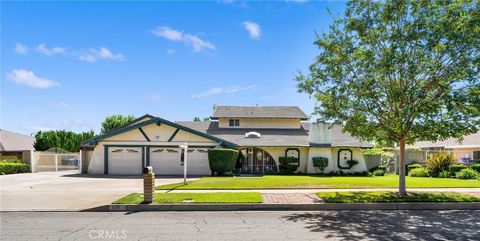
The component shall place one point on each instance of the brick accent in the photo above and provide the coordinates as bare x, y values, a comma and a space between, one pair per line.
291, 198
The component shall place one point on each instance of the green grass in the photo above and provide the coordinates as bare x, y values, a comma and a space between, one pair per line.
240, 197
309, 182
380, 197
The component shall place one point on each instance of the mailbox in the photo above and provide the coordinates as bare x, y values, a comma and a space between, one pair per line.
148, 170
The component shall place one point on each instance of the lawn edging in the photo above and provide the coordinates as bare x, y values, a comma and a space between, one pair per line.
294, 207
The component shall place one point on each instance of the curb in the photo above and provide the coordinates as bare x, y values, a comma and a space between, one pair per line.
291, 207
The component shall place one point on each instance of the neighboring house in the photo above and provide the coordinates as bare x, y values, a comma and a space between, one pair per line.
14, 145
466, 150
262, 134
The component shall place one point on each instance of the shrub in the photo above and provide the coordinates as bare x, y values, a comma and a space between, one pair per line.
466, 173
3, 158
444, 174
378, 168
11, 161
418, 172
439, 162
476, 167
413, 166
222, 160
456, 168
13, 168
378, 172
320, 163
352, 163
288, 165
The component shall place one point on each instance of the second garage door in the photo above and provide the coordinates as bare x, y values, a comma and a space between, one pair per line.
166, 161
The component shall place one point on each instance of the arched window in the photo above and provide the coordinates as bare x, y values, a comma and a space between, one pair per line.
257, 160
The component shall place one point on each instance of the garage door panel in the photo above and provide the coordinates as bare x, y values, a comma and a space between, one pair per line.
125, 160
166, 161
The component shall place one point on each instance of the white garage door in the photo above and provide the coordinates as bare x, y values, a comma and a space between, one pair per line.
125, 160
166, 161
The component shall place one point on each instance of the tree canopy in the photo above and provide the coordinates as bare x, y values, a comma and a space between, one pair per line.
400, 71
65, 140
115, 121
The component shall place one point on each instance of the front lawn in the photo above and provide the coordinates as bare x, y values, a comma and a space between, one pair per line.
309, 182
382, 197
241, 197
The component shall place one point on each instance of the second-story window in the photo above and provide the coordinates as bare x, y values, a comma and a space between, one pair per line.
234, 122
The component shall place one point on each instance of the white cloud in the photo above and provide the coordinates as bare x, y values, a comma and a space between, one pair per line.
155, 97
254, 30
226, 1
43, 49
193, 41
28, 78
21, 49
219, 90
61, 105
102, 53
170, 51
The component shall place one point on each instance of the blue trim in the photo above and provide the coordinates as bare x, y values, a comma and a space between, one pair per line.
144, 134
338, 158
105, 160
148, 155
320, 144
173, 135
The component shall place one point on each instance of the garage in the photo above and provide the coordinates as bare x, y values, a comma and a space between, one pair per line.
125, 160
166, 161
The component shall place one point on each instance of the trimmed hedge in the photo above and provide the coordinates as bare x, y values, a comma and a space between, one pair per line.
413, 166
456, 168
222, 160
476, 167
418, 172
13, 168
378, 172
320, 163
466, 173
288, 165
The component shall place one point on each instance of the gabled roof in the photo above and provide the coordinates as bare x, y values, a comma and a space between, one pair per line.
10, 141
470, 141
149, 119
290, 112
268, 137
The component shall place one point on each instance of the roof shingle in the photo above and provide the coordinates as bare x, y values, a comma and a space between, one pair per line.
292, 112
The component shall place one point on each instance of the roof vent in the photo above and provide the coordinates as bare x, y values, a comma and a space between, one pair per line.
252, 134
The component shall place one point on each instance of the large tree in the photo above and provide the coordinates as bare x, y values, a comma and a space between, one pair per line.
400, 71
66, 140
115, 121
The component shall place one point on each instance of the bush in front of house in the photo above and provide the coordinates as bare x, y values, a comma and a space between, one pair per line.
439, 162
378, 172
13, 167
222, 160
288, 165
456, 168
444, 174
320, 163
476, 167
419, 172
466, 173
352, 163
413, 166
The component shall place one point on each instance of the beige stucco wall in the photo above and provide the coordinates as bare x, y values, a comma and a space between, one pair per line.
463, 152
261, 123
332, 154
277, 152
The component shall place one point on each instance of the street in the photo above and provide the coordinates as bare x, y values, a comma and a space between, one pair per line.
285, 225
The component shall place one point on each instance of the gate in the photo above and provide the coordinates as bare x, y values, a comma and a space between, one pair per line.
53, 162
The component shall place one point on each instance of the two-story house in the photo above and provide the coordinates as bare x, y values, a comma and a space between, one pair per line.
261, 133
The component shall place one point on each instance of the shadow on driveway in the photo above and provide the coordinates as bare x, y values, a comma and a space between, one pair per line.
393, 225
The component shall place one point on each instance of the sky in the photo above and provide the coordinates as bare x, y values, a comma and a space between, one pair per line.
68, 65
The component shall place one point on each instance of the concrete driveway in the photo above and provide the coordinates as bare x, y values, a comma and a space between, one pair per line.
66, 191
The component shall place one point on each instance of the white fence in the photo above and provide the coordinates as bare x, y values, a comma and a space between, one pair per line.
54, 162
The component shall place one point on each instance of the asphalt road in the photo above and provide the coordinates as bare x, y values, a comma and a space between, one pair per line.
325, 225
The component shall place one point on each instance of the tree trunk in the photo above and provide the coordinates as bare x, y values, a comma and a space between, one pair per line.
401, 177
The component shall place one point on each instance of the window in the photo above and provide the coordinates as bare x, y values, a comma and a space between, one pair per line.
476, 155
234, 122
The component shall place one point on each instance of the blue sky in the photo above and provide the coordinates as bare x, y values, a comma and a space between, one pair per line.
69, 65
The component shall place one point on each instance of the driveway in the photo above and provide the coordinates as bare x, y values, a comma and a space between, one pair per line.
66, 191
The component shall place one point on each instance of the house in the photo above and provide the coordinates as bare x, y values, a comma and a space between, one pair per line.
15, 146
466, 150
261, 133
